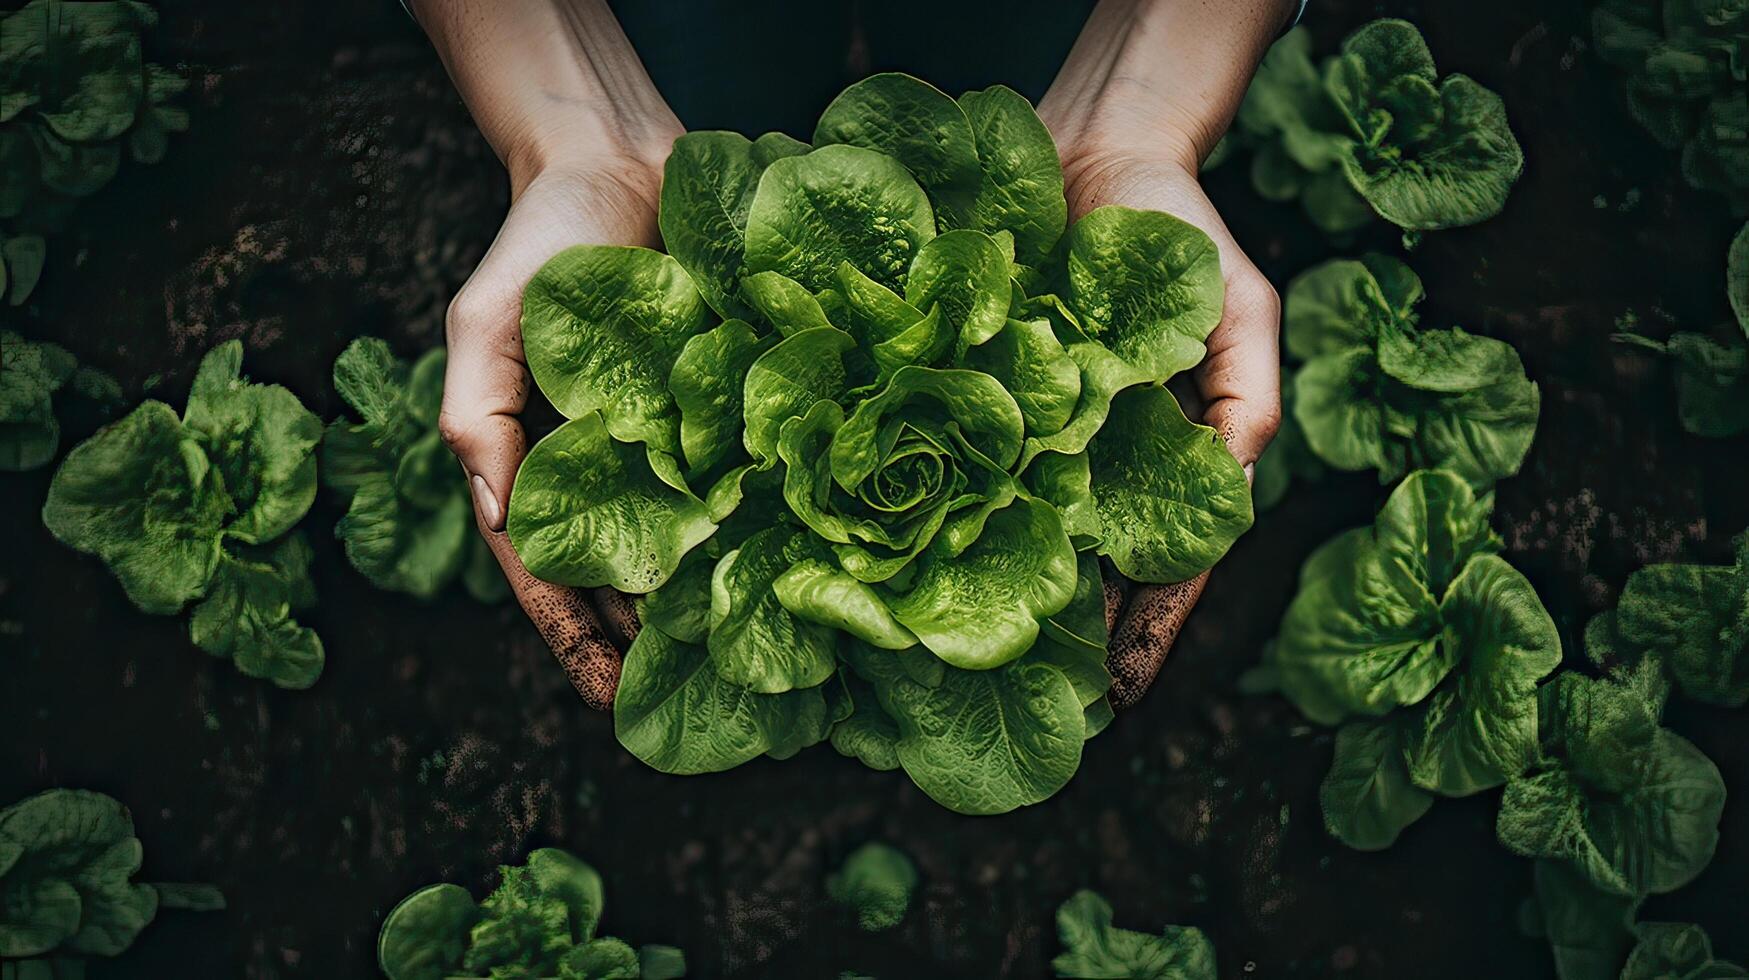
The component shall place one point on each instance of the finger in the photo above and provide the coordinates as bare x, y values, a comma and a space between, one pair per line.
619, 613
485, 386
566, 621
1240, 380
1151, 621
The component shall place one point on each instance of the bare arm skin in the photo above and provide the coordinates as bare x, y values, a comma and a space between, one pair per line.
559, 93
1145, 94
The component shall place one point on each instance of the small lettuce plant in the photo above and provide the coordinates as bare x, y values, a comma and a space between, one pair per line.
1376, 131
858, 438
75, 95
1094, 947
1375, 390
1685, 82
199, 508
876, 883
1426, 647
539, 923
32, 374
67, 858
409, 523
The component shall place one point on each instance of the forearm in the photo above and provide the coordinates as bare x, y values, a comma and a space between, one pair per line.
549, 81
1159, 77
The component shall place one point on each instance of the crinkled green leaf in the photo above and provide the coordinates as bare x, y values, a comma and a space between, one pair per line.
707, 387
142, 495
1022, 188
915, 123
755, 641
983, 608
1697, 618
246, 614
588, 510
1367, 795
981, 741
1094, 947
1171, 499
965, 272
707, 189
786, 380
837, 204
1632, 807
1146, 285
1030, 362
677, 714
601, 328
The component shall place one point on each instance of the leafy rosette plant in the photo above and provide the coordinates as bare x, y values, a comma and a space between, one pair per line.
1094, 947
1629, 807
1376, 130
199, 508
1685, 82
409, 524
876, 883
75, 92
1711, 370
1692, 621
1426, 647
926, 408
540, 922
31, 375
1377, 391
67, 858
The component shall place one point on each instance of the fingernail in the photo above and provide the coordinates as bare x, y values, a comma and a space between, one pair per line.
1250, 473
487, 504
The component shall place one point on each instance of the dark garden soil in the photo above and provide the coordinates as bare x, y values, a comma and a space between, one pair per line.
332, 185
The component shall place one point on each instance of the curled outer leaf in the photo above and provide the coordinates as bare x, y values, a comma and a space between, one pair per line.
587, 510
601, 328
1171, 499
1146, 285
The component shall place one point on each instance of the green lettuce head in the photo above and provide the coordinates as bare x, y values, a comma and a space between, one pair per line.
857, 438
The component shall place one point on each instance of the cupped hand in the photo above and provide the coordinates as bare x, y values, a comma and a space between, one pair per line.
592, 201
1238, 384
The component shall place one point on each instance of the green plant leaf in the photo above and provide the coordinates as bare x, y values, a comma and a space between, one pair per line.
587, 510
424, 936
915, 123
261, 438
601, 327
1022, 187
707, 387
837, 204
785, 381
1367, 796
246, 614
980, 741
1632, 807
755, 641
1097, 948
707, 189
1146, 285
1026, 357
1697, 617
965, 272
983, 608
678, 715
1171, 499
875, 882
142, 496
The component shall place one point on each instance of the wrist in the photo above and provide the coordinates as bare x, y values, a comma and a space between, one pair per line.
632, 151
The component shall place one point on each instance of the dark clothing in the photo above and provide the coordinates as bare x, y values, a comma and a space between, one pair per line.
758, 65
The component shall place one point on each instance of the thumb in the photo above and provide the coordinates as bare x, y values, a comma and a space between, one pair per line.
485, 387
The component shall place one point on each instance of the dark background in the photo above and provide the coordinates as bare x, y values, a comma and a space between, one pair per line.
332, 185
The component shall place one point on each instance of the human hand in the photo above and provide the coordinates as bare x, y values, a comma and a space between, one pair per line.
486, 386
1123, 142
556, 88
